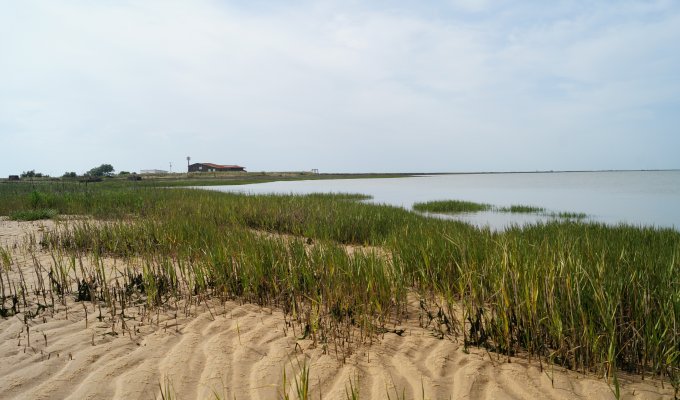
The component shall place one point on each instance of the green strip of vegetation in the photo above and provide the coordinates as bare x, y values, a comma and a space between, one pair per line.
460, 206
571, 215
585, 296
451, 206
521, 209
100, 178
33, 215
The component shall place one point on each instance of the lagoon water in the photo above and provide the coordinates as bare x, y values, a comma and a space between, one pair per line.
649, 198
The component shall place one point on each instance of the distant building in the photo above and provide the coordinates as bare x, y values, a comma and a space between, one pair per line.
209, 167
153, 171
14, 178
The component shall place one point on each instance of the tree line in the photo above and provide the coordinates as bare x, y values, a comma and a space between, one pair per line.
98, 172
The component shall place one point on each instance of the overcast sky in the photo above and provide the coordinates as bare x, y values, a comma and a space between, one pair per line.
356, 86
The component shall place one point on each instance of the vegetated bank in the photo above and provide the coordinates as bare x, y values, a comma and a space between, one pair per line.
586, 296
462, 206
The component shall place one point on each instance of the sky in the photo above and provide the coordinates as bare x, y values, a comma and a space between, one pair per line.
339, 85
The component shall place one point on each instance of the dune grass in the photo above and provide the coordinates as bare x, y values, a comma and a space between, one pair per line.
585, 296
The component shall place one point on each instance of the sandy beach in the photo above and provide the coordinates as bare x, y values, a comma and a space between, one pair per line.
230, 350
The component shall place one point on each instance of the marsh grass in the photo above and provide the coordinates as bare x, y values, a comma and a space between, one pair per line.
33, 215
451, 206
458, 207
300, 384
585, 296
570, 215
520, 209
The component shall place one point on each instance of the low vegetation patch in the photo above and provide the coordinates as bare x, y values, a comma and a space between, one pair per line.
451, 206
33, 215
460, 206
521, 209
571, 215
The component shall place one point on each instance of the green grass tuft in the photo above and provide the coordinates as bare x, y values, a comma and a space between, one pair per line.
33, 215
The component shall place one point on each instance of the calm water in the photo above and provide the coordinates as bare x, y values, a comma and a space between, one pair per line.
639, 198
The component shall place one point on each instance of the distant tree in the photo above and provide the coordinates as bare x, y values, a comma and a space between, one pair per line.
102, 170
69, 175
33, 174
124, 173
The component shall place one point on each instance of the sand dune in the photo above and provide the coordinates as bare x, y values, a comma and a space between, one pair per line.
240, 351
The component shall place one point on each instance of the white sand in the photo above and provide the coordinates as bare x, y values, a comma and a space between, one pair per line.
240, 351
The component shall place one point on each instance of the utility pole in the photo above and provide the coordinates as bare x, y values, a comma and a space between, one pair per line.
170, 166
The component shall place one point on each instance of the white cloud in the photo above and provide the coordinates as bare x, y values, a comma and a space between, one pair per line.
471, 5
